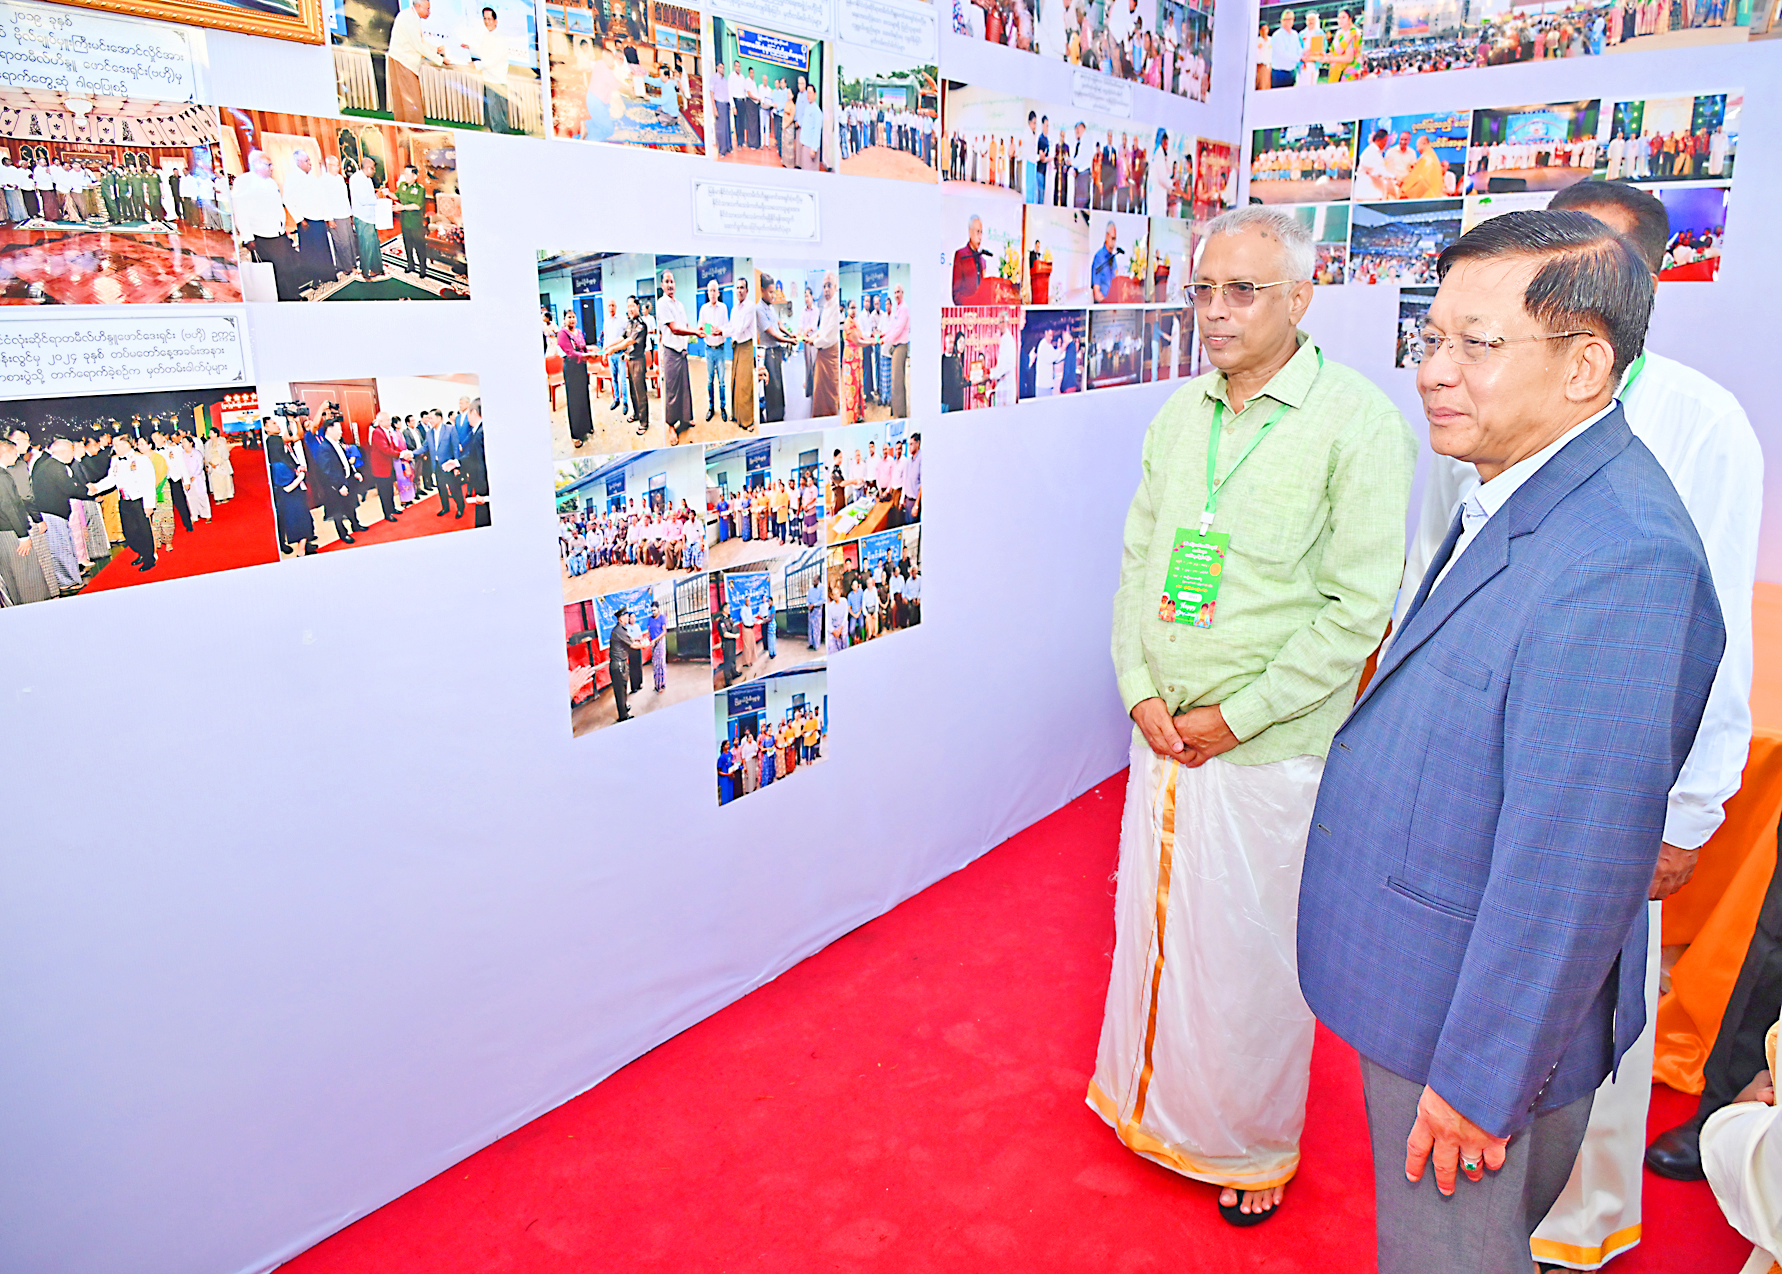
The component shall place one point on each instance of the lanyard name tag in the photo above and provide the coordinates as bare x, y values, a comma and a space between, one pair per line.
1191, 585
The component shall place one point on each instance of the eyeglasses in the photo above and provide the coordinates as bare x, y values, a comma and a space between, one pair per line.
1239, 296
1468, 350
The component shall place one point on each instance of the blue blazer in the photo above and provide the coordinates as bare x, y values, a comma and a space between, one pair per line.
1472, 913
445, 444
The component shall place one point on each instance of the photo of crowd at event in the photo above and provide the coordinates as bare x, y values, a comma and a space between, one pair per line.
114, 491
888, 122
1060, 156
1334, 40
628, 520
1698, 225
1303, 163
1166, 44
875, 588
348, 461
770, 729
762, 497
112, 205
1540, 147
768, 104
1399, 242
626, 72
333, 210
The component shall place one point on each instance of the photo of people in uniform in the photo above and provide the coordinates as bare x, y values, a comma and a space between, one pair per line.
344, 210
888, 116
872, 478
875, 587
875, 340
630, 519
448, 63
769, 616
114, 202
763, 496
771, 729
1302, 163
372, 461
980, 356
647, 350
1054, 352
634, 651
116, 490
771, 84
628, 72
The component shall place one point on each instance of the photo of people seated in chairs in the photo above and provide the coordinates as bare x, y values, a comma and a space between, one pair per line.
637, 650
630, 519
764, 616
344, 210
110, 201
770, 730
875, 587
763, 497
116, 490
873, 476
645, 350
626, 72
357, 462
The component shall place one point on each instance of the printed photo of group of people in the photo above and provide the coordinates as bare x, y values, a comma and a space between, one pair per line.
721, 565
113, 491
1049, 301
628, 72
1335, 41
1165, 44
156, 202
1385, 196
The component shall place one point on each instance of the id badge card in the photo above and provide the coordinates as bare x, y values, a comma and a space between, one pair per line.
1196, 569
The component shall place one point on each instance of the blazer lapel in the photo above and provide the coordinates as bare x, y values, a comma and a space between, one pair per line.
1489, 552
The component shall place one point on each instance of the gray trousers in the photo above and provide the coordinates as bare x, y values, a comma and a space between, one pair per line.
1485, 1226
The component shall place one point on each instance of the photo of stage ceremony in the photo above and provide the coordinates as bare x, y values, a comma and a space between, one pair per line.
449, 63
888, 118
1172, 259
764, 616
762, 497
344, 210
111, 201
644, 350
872, 476
1166, 44
770, 729
1169, 339
875, 587
627, 72
984, 236
1085, 258
1698, 225
980, 347
1118, 351
1302, 163
372, 461
768, 90
111, 491
1215, 178
628, 520
1054, 353
1673, 138
636, 650
1399, 242
1412, 156
875, 340
1544, 147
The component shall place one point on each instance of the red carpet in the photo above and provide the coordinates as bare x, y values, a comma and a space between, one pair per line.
240, 533
911, 1100
417, 521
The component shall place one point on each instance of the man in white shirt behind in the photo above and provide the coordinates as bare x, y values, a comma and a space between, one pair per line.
1701, 436
409, 47
259, 208
1374, 180
490, 48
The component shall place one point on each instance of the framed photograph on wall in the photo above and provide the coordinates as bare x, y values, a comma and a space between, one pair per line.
299, 20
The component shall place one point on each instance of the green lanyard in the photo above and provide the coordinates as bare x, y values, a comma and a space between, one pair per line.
1213, 488
1633, 373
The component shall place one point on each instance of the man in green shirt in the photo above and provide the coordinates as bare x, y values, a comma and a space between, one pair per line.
411, 213
1262, 553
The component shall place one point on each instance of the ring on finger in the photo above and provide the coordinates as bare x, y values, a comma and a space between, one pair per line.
1470, 1165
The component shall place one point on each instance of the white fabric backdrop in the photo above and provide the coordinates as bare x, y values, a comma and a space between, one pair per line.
309, 893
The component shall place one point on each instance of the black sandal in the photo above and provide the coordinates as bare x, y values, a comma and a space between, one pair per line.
1235, 1214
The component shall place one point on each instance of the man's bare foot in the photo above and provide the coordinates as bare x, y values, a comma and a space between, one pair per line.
1254, 1200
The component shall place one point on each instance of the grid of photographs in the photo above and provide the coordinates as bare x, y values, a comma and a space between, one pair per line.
1165, 44
768, 522
1384, 196
1334, 41
133, 489
1049, 301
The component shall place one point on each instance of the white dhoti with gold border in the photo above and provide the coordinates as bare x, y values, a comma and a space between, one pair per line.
1598, 1216
1206, 1043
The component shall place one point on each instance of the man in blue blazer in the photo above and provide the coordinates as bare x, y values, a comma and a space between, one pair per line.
1472, 909
448, 463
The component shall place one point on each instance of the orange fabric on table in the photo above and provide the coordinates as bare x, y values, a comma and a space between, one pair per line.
1716, 912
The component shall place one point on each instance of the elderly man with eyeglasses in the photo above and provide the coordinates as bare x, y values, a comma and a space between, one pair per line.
1269, 520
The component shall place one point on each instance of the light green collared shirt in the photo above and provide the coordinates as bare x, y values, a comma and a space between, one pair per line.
1316, 516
